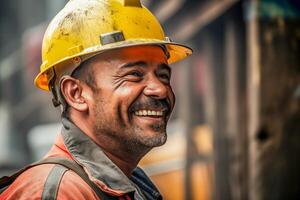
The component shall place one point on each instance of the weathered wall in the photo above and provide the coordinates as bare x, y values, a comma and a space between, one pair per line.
278, 136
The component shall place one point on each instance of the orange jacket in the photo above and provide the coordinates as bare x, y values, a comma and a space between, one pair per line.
75, 145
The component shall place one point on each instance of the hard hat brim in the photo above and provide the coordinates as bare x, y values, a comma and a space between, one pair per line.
176, 52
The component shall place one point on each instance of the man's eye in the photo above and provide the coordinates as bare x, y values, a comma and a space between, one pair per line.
134, 76
165, 78
136, 73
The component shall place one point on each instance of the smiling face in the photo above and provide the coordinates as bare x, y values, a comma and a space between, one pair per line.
132, 98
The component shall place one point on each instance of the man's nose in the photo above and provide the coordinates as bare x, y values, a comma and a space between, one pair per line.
155, 88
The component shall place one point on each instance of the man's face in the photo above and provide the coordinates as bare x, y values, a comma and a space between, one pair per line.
133, 98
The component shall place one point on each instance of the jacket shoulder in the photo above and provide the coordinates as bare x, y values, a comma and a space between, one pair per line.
73, 187
29, 184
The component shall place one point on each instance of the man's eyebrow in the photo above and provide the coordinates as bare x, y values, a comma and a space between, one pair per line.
134, 64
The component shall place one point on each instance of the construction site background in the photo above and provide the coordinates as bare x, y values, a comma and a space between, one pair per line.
235, 131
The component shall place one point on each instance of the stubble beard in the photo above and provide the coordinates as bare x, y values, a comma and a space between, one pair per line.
132, 139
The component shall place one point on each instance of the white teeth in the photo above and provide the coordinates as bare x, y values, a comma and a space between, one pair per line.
148, 113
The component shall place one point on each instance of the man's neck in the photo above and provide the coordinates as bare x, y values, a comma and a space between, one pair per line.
125, 158
126, 166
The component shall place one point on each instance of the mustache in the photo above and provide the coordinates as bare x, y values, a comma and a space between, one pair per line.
150, 103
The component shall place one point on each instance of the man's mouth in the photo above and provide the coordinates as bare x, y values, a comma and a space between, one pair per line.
149, 113
151, 109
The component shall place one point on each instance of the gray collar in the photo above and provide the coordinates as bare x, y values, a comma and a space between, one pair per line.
92, 158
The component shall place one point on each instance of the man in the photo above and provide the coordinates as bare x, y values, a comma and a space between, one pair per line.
106, 63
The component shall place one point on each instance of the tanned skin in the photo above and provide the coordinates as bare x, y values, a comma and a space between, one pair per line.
127, 82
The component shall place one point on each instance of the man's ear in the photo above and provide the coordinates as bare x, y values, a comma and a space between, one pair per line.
72, 91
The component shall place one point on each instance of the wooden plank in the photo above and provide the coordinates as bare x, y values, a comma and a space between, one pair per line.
193, 23
277, 136
253, 85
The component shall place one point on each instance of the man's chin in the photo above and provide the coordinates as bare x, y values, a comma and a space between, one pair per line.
155, 141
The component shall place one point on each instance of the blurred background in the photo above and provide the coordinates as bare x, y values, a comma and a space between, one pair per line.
235, 131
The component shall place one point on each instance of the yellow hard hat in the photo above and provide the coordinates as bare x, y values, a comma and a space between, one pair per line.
85, 28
